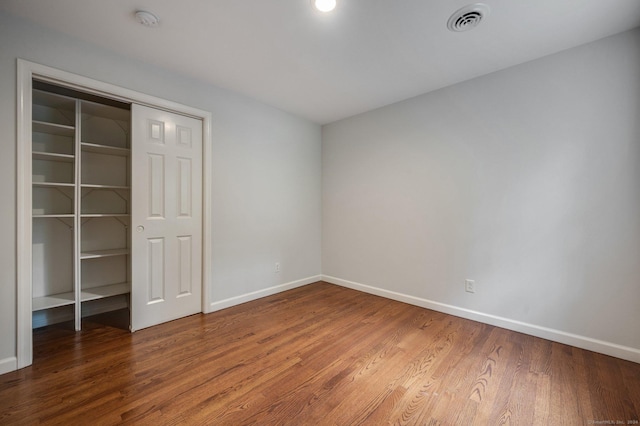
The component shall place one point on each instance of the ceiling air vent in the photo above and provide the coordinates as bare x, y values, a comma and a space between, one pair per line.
468, 17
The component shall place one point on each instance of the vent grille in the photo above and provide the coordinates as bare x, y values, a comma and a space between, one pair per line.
468, 17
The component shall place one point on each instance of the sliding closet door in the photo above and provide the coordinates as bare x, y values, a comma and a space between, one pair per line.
166, 219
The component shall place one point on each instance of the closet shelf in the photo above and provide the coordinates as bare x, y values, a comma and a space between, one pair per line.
53, 184
52, 301
53, 128
54, 100
69, 215
105, 149
92, 185
51, 156
65, 299
104, 215
95, 254
101, 292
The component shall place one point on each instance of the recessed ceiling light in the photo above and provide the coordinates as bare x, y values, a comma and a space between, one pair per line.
147, 19
324, 5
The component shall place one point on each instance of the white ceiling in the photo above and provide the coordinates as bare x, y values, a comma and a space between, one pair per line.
363, 55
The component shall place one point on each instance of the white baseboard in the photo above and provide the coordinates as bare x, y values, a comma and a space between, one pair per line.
248, 297
8, 364
607, 348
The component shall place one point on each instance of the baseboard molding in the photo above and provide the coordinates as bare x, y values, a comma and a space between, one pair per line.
248, 297
583, 342
8, 364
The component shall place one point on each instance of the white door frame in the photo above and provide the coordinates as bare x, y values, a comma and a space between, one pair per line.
26, 72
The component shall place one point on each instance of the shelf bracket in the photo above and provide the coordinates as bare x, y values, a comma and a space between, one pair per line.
89, 191
124, 223
66, 114
64, 222
125, 129
70, 197
119, 194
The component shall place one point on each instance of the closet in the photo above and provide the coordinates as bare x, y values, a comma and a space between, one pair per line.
81, 205
116, 210
113, 202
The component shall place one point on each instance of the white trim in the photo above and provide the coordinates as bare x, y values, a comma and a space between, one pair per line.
248, 297
207, 212
26, 72
107, 90
595, 345
24, 349
8, 365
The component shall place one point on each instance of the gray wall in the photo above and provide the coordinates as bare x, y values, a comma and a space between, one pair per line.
266, 169
526, 180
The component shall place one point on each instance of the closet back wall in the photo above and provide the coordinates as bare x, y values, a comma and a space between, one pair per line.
266, 171
526, 180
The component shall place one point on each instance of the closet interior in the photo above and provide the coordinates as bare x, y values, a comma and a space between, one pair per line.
81, 205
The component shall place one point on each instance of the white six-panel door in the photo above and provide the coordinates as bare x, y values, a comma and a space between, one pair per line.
166, 242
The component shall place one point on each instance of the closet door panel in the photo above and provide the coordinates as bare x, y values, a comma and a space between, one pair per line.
185, 188
156, 186
155, 282
166, 216
185, 259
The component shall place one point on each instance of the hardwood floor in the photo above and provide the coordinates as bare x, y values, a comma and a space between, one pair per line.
316, 355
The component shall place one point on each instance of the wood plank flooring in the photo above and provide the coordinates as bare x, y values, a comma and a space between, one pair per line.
316, 355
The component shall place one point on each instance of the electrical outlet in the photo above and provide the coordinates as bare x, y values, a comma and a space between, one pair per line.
470, 286
277, 268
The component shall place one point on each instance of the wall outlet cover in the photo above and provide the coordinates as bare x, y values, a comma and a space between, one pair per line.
470, 286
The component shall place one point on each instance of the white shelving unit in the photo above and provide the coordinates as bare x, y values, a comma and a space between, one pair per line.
105, 207
81, 207
54, 206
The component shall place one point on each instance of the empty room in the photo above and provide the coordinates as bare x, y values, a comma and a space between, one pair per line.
320, 212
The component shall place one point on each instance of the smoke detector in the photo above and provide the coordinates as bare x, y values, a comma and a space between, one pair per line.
468, 17
147, 19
